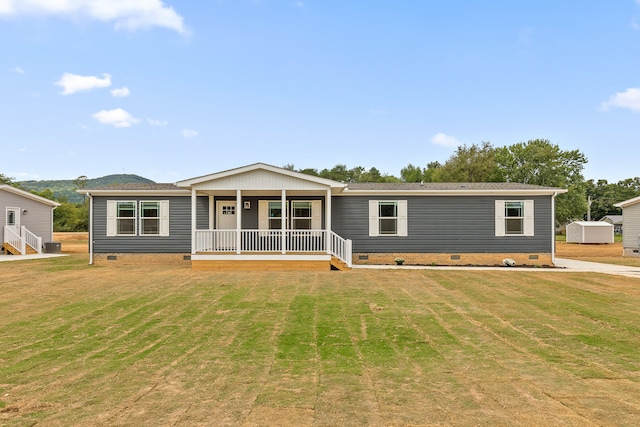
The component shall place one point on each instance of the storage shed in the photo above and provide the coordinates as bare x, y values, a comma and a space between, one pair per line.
590, 232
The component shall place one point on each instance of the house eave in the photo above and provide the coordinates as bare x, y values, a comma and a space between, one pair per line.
628, 203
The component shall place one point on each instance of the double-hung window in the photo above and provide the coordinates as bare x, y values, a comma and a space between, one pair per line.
274, 215
514, 218
149, 217
301, 215
388, 218
137, 218
125, 218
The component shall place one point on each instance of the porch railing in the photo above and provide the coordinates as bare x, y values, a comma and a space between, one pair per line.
296, 241
32, 240
21, 240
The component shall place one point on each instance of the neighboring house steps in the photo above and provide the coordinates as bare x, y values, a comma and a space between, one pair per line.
21, 241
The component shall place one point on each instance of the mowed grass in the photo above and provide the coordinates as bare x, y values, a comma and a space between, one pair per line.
159, 345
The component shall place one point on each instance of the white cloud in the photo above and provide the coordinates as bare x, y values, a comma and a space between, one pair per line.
444, 140
17, 69
118, 118
188, 133
126, 14
122, 92
154, 122
628, 99
72, 83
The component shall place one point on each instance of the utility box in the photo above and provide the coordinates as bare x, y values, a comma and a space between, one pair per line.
52, 247
590, 232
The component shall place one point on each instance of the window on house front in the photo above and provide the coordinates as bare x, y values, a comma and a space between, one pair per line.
126, 218
132, 218
301, 215
274, 215
149, 217
514, 218
388, 218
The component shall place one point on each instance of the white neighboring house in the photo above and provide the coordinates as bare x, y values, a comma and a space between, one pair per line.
26, 221
631, 226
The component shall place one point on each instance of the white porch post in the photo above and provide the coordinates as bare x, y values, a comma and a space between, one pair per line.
238, 220
211, 212
194, 218
327, 219
283, 225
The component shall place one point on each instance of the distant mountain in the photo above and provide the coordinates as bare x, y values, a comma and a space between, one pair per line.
67, 187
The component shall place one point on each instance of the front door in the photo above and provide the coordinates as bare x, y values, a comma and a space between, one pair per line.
225, 225
13, 219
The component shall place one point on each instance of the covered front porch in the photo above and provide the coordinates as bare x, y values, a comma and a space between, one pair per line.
264, 218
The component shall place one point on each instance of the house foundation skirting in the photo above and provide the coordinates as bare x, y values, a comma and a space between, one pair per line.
631, 252
261, 262
479, 259
142, 259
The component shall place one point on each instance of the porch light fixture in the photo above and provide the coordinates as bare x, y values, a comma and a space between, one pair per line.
247, 204
24, 211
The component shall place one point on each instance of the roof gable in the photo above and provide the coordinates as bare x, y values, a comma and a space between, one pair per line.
28, 195
259, 176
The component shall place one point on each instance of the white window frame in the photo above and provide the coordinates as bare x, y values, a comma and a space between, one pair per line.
112, 218
402, 228
527, 218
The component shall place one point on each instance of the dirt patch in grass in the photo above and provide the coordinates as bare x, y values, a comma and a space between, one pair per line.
155, 345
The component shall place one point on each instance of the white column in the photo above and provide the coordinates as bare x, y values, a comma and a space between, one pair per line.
194, 217
283, 227
211, 212
238, 220
327, 219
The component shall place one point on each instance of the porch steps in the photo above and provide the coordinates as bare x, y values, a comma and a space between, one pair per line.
338, 264
8, 248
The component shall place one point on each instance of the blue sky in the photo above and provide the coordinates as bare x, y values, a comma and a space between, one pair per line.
175, 89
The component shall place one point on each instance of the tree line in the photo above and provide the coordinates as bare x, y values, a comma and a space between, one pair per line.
537, 161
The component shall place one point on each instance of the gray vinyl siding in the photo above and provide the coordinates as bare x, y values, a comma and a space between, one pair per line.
631, 226
178, 241
38, 219
442, 224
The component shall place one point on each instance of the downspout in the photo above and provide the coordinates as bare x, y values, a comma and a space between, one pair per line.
90, 228
553, 227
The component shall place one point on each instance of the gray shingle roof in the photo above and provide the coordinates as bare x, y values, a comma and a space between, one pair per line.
443, 186
136, 186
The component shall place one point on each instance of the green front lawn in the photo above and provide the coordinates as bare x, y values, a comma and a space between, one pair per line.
159, 345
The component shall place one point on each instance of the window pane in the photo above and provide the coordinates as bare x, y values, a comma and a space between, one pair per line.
150, 209
514, 209
514, 226
126, 226
302, 209
388, 226
150, 226
301, 224
126, 209
388, 209
275, 223
275, 209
